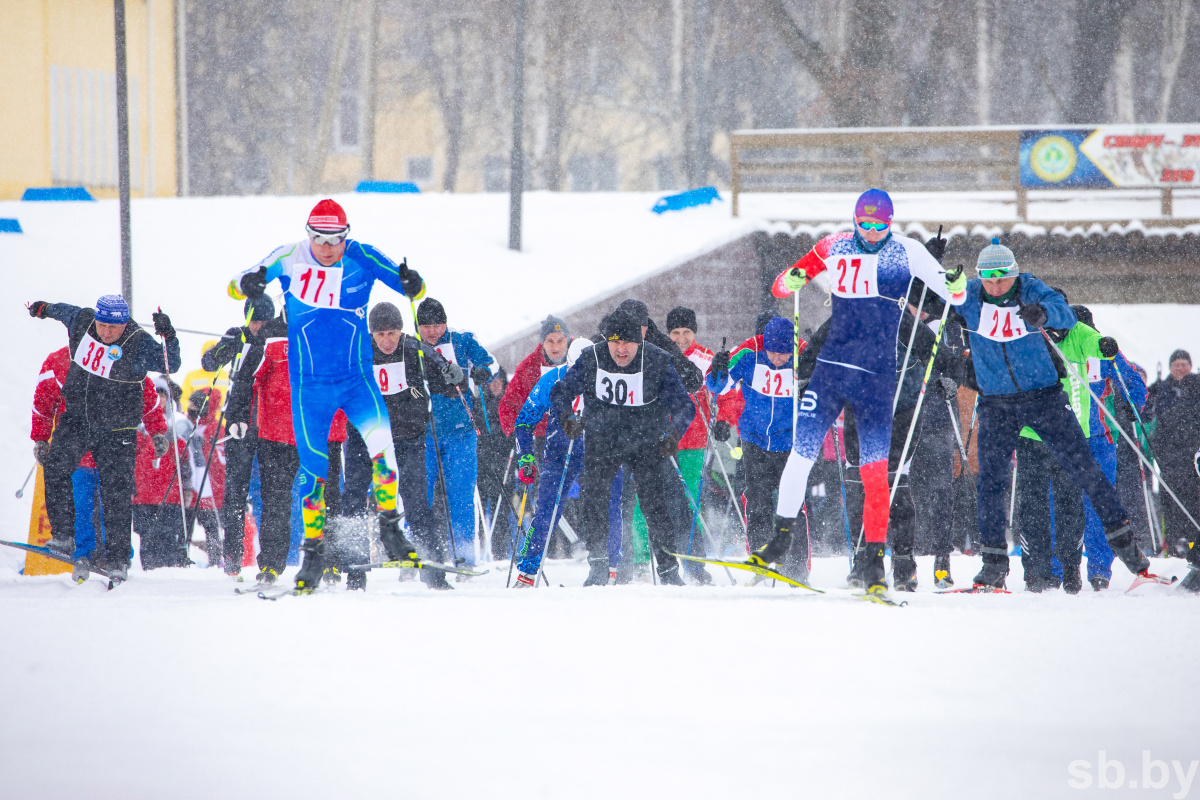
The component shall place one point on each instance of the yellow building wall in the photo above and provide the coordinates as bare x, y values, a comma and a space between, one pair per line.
79, 35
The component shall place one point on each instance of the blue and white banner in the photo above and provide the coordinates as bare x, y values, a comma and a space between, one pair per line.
1111, 156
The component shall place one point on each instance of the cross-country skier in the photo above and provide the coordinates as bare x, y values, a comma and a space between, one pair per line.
635, 410
1018, 377
453, 426
110, 356
551, 352
562, 463
327, 281
398, 366
870, 271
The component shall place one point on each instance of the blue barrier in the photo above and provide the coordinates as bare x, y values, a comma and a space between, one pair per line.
388, 187
688, 199
10, 226
47, 193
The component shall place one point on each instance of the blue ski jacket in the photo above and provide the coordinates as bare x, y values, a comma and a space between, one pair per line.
766, 420
460, 347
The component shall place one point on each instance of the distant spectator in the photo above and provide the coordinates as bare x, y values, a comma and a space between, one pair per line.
1174, 405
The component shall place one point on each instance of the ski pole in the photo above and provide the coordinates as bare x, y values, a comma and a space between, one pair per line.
912, 336
174, 439
965, 472
696, 516
1012, 505
557, 500
837, 448
1156, 542
500, 496
212, 454
520, 521
1128, 439
21, 491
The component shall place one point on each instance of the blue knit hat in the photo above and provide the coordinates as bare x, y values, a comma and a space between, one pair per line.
779, 336
998, 260
112, 309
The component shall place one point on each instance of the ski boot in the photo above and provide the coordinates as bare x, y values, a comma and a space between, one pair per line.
941, 572
904, 572
266, 577
697, 573
995, 569
1191, 581
597, 571
1041, 583
395, 543
64, 544
356, 579
332, 575
668, 570
1122, 544
1099, 583
525, 581
312, 568
855, 579
874, 574
774, 550
435, 579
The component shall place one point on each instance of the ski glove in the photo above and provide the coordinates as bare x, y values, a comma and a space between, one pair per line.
949, 387
237, 430
1033, 315
254, 284
160, 444
956, 281
452, 374
936, 247
41, 449
668, 445
480, 375
162, 325
37, 309
410, 281
720, 364
794, 279
526, 469
721, 430
572, 425
1108, 347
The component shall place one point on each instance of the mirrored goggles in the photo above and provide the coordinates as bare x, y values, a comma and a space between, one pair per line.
874, 226
327, 238
993, 274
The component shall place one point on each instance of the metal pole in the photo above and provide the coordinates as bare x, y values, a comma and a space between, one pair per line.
123, 151
181, 115
516, 170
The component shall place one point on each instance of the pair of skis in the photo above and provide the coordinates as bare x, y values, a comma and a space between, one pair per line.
767, 572
82, 567
267, 594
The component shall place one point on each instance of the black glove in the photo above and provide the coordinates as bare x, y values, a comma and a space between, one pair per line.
721, 430
1108, 347
668, 445
162, 325
161, 444
40, 449
572, 425
720, 364
452, 374
1033, 315
410, 281
936, 247
254, 284
38, 308
480, 375
949, 386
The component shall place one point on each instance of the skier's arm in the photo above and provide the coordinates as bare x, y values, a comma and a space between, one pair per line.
152, 411
534, 409
148, 354
1058, 313
241, 385
678, 402
1133, 380
406, 281
478, 357
224, 351
808, 267
63, 312
810, 352
514, 397
444, 377
269, 268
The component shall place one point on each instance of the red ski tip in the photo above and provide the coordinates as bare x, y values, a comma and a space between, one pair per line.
1146, 576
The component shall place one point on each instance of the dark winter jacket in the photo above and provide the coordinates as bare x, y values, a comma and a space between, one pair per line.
240, 407
105, 381
398, 376
1175, 408
625, 408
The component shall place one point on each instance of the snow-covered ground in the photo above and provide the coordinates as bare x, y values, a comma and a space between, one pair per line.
172, 686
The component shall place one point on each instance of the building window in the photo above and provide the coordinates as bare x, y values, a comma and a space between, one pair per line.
419, 170
592, 173
347, 126
495, 174
83, 127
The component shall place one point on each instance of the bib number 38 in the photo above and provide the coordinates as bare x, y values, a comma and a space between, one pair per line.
90, 354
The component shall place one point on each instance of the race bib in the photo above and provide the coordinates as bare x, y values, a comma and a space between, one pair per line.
1001, 324
1093, 369
772, 382
318, 286
577, 404
854, 275
392, 378
619, 390
701, 359
95, 357
447, 351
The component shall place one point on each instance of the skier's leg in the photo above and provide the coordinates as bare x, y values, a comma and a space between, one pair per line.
597, 489
115, 453
820, 406
1033, 500
278, 463
902, 515
616, 492
460, 461
529, 556
83, 484
1068, 527
763, 472
66, 448
999, 426
647, 467
1099, 554
239, 461
870, 400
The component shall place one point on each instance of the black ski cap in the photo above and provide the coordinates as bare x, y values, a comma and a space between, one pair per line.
637, 310
622, 326
431, 312
1180, 355
264, 309
385, 317
681, 317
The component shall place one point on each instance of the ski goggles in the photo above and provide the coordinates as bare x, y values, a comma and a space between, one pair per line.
874, 226
327, 238
993, 274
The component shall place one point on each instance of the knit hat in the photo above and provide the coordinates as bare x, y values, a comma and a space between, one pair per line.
680, 317
112, 309
779, 336
997, 261
431, 312
623, 326
1180, 355
264, 309
637, 310
874, 203
328, 217
384, 317
576, 349
552, 324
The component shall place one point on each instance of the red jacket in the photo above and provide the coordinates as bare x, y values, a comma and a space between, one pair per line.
48, 402
213, 496
153, 475
529, 371
729, 406
273, 398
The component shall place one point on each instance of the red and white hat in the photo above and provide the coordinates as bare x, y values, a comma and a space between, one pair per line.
327, 217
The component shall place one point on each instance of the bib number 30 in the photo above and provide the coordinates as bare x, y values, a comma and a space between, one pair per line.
619, 389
